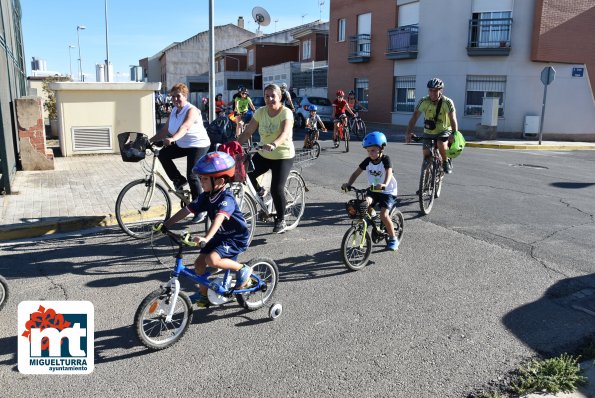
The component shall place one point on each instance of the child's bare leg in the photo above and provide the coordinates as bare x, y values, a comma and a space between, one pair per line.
388, 223
200, 266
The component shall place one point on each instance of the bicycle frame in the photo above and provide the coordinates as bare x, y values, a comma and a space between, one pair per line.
155, 171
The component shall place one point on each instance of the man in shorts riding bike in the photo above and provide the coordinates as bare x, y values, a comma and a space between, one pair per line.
440, 120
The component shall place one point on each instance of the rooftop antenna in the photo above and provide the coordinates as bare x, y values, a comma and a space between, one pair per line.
276, 20
303, 18
261, 17
321, 4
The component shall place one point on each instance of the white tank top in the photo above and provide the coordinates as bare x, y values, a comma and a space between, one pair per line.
196, 137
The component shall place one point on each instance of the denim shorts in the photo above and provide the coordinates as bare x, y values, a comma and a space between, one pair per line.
385, 200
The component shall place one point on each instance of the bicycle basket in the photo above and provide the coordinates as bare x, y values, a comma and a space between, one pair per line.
133, 146
356, 208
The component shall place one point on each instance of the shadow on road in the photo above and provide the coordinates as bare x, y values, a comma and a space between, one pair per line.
559, 321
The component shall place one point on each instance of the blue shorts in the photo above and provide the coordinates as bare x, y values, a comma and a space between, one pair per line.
226, 247
385, 200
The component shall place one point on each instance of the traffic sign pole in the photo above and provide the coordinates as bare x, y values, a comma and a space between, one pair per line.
547, 76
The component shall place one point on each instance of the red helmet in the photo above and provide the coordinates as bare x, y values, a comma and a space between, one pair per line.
340, 93
215, 164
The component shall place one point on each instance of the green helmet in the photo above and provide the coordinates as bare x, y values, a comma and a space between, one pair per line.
457, 145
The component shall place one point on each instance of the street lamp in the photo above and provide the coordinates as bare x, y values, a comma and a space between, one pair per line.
78, 38
70, 47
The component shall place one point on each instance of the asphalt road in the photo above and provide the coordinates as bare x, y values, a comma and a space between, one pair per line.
485, 281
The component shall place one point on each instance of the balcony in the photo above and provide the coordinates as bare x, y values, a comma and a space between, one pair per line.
489, 37
360, 47
402, 42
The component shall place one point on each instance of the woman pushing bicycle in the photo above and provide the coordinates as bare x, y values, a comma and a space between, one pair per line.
383, 185
228, 234
275, 125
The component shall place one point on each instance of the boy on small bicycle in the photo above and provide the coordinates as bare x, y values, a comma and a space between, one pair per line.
379, 170
228, 234
312, 123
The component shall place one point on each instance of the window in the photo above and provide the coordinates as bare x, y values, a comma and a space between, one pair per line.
361, 92
404, 94
341, 30
490, 29
306, 49
479, 86
251, 57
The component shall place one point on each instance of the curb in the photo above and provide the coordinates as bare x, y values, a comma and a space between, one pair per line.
534, 147
37, 229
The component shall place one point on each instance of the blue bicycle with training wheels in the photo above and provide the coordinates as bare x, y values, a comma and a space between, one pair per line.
164, 315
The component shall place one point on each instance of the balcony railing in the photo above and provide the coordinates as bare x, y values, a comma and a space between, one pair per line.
360, 47
402, 42
489, 36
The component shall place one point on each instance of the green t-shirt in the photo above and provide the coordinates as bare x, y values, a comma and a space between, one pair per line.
270, 128
242, 104
428, 110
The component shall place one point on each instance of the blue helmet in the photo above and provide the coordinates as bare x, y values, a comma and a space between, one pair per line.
215, 164
374, 138
313, 108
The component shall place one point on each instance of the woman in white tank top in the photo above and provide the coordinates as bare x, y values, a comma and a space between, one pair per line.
183, 135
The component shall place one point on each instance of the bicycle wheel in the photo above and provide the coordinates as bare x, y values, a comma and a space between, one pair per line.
346, 138
248, 209
3, 291
268, 272
359, 128
398, 223
426, 187
356, 247
439, 181
295, 199
139, 206
315, 150
152, 329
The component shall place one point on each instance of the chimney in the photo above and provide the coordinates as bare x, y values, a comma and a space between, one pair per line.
241, 22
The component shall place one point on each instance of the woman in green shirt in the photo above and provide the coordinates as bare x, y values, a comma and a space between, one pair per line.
275, 126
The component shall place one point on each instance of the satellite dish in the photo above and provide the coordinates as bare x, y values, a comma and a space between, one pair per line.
261, 17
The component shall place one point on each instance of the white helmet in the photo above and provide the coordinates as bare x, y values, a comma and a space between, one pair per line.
283, 86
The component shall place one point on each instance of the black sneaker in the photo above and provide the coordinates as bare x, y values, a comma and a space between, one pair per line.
447, 167
179, 185
200, 217
280, 226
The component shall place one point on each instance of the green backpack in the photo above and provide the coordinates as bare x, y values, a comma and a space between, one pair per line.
457, 145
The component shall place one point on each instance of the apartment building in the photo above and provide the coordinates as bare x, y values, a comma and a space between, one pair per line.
387, 51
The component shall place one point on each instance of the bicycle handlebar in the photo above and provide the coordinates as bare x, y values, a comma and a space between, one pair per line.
362, 190
180, 239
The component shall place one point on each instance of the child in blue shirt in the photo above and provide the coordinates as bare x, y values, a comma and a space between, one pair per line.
228, 235
379, 170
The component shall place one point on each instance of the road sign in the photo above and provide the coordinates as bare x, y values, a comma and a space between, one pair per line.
547, 75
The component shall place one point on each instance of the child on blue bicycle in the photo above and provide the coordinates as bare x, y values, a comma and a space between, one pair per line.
228, 234
313, 123
379, 170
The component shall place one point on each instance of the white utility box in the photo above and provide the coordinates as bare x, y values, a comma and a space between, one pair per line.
489, 111
531, 126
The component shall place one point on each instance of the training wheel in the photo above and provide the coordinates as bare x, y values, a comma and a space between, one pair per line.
275, 311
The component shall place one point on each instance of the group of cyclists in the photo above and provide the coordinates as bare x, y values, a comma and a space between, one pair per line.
226, 237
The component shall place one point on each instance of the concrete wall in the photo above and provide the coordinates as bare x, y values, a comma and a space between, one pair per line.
31, 132
120, 107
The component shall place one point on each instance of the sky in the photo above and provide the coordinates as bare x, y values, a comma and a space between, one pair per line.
138, 28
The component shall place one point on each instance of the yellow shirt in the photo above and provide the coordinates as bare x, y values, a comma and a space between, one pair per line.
428, 110
269, 129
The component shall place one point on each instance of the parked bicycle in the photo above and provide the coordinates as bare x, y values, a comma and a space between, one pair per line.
164, 315
343, 132
357, 126
3, 291
431, 177
145, 201
295, 195
311, 142
366, 228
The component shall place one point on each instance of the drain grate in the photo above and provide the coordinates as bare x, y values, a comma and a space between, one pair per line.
531, 166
